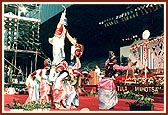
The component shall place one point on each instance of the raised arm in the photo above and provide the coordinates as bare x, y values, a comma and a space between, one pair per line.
71, 39
62, 19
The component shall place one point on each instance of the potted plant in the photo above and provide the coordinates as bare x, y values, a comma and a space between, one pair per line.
141, 104
15, 105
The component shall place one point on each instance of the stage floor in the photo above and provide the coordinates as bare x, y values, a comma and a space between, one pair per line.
90, 102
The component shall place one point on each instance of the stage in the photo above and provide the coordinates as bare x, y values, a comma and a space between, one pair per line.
90, 102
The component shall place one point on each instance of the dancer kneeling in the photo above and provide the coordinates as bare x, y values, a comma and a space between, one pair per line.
64, 95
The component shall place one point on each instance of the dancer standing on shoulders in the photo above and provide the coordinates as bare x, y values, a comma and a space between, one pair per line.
58, 40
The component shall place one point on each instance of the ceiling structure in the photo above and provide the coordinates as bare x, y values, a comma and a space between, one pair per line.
84, 24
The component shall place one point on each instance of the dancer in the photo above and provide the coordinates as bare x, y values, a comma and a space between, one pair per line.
64, 94
59, 38
107, 94
75, 64
38, 85
45, 85
33, 87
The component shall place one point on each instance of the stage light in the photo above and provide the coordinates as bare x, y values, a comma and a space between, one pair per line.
130, 17
136, 14
133, 15
131, 12
149, 9
128, 12
147, 5
156, 7
160, 5
151, 5
122, 19
139, 8
122, 15
145, 34
125, 16
146, 11
110, 23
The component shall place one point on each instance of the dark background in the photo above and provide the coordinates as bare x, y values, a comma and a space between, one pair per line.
83, 23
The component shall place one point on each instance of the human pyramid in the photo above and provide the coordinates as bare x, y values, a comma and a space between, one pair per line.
58, 81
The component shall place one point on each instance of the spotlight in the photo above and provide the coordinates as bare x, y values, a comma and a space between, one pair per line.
160, 5
139, 8
122, 19
136, 13
125, 14
130, 17
147, 5
128, 13
156, 7
100, 23
146, 11
133, 15
131, 12
122, 15
149, 9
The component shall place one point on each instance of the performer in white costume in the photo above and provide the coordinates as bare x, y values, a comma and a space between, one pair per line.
58, 40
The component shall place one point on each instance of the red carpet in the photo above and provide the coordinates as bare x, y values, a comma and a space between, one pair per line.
90, 102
